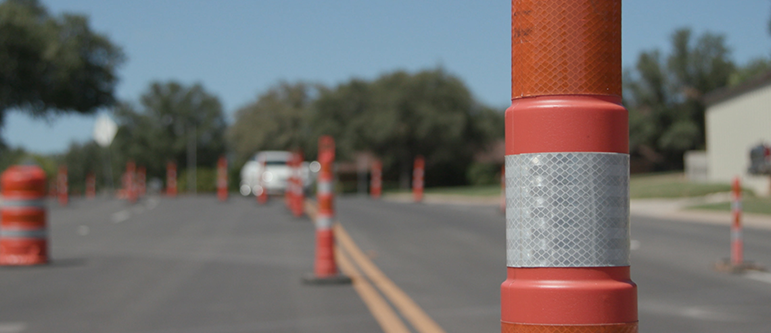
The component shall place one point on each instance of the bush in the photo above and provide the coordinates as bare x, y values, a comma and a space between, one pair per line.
483, 173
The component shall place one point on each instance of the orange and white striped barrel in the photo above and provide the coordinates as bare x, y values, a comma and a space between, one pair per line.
90, 185
171, 179
567, 172
23, 230
62, 185
376, 183
418, 174
141, 181
131, 188
222, 179
737, 242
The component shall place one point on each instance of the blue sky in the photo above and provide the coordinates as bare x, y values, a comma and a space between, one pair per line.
239, 48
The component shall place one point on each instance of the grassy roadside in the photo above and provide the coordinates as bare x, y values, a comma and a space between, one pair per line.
670, 185
753, 205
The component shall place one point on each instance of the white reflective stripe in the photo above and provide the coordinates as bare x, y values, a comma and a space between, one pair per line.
39, 203
37, 233
736, 234
736, 205
567, 210
323, 222
324, 187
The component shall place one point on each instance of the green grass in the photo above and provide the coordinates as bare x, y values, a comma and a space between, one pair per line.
658, 185
753, 205
670, 185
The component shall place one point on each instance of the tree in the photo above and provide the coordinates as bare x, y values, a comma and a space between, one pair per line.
50, 65
169, 117
666, 111
82, 159
402, 115
275, 121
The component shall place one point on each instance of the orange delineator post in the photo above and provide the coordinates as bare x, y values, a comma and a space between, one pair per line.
737, 243
325, 268
23, 230
171, 179
131, 191
376, 183
62, 186
90, 185
418, 173
222, 179
567, 170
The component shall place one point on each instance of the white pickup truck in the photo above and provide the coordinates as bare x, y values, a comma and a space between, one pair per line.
274, 176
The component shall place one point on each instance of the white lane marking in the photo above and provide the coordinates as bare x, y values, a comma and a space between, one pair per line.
83, 230
634, 245
12, 327
758, 276
120, 216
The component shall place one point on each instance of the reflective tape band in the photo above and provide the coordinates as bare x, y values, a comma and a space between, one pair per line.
37, 233
323, 222
567, 210
736, 205
38, 203
736, 234
325, 187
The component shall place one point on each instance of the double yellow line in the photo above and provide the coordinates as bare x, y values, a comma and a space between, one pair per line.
367, 272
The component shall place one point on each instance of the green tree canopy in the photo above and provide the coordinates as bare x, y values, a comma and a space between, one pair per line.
275, 121
396, 117
159, 129
664, 96
400, 115
51, 64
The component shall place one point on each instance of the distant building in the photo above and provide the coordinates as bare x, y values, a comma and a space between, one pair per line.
738, 119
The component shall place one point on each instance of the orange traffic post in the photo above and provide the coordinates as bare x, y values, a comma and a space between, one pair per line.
23, 230
325, 268
418, 172
171, 179
567, 170
222, 179
131, 191
261, 192
298, 197
141, 181
90, 185
376, 183
737, 244
62, 186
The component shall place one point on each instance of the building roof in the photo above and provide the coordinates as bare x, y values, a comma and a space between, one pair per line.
727, 93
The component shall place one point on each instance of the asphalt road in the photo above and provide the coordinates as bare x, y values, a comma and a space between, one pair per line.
192, 264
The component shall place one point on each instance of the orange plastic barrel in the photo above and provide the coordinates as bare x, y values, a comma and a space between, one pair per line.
23, 230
